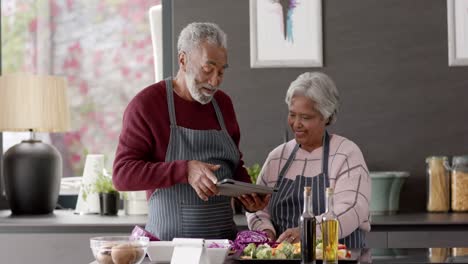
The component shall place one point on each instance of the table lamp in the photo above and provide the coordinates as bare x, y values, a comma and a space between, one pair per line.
32, 169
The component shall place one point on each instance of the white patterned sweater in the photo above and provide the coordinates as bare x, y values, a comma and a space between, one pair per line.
348, 176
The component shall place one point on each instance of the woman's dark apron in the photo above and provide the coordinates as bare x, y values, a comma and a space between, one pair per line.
286, 205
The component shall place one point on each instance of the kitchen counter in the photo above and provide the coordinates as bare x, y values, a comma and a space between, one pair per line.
66, 220
58, 237
420, 221
61, 221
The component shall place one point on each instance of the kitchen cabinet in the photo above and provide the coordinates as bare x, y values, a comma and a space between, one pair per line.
419, 230
39, 248
61, 237
377, 239
414, 239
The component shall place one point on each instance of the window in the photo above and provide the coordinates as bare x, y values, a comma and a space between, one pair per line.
104, 50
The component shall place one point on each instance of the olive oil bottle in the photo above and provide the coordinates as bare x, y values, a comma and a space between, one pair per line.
330, 231
308, 231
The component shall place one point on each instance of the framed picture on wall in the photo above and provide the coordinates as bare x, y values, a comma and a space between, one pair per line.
285, 33
457, 16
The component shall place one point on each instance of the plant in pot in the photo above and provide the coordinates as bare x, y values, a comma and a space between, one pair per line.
108, 195
253, 172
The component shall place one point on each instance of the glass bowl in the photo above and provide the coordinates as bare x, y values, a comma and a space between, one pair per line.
119, 249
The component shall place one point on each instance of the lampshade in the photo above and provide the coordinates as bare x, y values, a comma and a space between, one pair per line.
32, 102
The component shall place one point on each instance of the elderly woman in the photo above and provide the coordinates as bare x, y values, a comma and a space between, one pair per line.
317, 159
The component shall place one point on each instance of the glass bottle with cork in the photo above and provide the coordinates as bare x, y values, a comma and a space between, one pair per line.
330, 231
308, 231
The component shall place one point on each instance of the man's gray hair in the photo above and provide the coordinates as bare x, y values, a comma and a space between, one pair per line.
320, 89
196, 33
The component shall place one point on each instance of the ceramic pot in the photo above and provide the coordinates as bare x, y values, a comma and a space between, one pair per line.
386, 187
109, 203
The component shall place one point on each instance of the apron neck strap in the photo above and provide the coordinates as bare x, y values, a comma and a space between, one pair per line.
170, 101
171, 107
326, 151
219, 115
288, 163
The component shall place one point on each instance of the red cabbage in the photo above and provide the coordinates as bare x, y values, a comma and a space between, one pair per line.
141, 232
250, 236
216, 245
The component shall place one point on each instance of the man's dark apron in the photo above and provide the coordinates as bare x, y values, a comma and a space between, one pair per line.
177, 211
286, 205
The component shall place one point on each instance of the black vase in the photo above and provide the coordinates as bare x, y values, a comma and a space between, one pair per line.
32, 171
109, 203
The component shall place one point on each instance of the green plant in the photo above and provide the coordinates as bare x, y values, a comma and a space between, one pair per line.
253, 172
103, 184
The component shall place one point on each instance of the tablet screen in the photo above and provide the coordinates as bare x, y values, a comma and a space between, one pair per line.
229, 187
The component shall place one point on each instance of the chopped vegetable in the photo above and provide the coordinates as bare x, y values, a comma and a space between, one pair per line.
297, 250
279, 255
217, 245
342, 253
249, 236
286, 250
263, 252
249, 250
319, 246
141, 232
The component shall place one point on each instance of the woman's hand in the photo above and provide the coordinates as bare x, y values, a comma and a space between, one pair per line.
270, 234
292, 235
254, 202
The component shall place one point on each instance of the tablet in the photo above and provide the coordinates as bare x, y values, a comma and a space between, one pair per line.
229, 187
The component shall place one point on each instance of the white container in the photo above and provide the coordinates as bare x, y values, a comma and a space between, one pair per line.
161, 251
135, 203
88, 202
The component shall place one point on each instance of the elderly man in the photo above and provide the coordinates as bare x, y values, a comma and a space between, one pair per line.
179, 137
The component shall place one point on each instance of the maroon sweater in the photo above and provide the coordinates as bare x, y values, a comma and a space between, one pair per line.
140, 157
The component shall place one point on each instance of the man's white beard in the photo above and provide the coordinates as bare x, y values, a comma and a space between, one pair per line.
195, 89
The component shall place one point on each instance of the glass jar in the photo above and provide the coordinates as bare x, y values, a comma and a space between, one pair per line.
438, 184
460, 184
459, 252
439, 255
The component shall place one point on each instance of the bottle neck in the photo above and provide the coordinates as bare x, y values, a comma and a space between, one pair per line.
329, 206
307, 203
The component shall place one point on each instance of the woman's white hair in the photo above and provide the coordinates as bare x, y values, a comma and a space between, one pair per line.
319, 88
196, 33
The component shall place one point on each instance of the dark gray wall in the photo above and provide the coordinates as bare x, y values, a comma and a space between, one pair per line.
401, 102
3, 204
